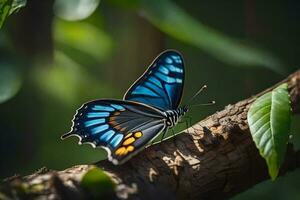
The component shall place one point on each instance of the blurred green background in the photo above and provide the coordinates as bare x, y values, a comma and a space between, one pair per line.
57, 54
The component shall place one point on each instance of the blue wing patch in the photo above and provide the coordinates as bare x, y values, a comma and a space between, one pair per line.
91, 124
120, 127
162, 84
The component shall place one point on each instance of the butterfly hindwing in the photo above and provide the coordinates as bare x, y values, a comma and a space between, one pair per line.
162, 84
120, 127
135, 140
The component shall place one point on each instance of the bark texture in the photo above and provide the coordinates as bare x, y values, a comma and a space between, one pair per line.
214, 159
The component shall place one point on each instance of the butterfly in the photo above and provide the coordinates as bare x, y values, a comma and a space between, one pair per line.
149, 107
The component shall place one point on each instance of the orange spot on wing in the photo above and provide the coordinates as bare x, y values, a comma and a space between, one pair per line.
112, 118
116, 113
130, 148
120, 151
138, 134
118, 127
123, 150
128, 135
113, 123
128, 141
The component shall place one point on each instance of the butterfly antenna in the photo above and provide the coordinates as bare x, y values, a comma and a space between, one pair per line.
196, 94
204, 104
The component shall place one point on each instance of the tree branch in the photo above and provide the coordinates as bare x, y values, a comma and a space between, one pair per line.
214, 159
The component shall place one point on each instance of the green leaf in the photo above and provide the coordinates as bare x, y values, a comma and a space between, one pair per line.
16, 5
174, 21
7, 7
97, 183
269, 119
10, 82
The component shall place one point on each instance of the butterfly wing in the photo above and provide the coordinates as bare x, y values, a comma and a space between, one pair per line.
122, 128
162, 84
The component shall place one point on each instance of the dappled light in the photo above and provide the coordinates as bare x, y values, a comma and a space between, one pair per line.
75, 9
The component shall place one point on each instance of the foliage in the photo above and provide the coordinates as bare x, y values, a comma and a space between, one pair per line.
269, 119
10, 81
97, 183
7, 7
173, 20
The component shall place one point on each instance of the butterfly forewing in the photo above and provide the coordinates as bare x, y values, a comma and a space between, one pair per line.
162, 84
121, 127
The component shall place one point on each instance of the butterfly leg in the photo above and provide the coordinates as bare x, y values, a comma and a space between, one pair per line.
173, 133
188, 122
187, 126
163, 135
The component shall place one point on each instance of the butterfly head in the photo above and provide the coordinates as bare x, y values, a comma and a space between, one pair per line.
185, 109
182, 110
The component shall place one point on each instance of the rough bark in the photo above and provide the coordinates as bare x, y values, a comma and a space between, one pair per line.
214, 159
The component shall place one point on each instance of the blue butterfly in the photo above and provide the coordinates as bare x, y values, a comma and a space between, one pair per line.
149, 107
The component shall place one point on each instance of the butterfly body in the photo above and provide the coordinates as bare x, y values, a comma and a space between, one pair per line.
173, 116
149, 107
